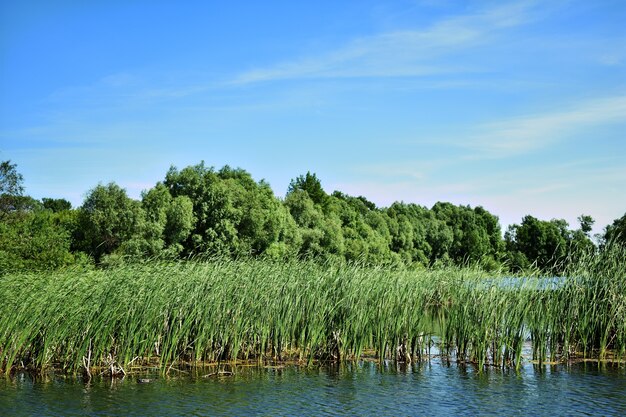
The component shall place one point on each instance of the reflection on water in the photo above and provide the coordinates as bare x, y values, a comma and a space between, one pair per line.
431, 388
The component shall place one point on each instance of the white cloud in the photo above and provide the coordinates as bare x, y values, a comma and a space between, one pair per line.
523, 134
400, 53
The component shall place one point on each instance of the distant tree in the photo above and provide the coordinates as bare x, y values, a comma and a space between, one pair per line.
18, 204
312, 185
365, 229
10, 180
580, 241
320, 236
11, 189
234, 215
34, 241
586, 223
179, 221
476, 233
56, 204
31, 238
169, 221
108, 218
213, 232
255, 211
419, 235
542, 243
401, 231
616, 232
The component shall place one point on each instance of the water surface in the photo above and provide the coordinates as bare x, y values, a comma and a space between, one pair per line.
365, 388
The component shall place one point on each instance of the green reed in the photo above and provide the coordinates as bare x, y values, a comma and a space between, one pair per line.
169, 314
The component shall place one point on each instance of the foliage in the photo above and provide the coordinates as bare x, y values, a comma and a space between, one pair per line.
34, 241
203, 212
109, 219
169, 221
234, 215
311, 185
616, 232
476, 232
365, 230
18, 204
586, 223
548, 245
10, 180
56, 204
320, 234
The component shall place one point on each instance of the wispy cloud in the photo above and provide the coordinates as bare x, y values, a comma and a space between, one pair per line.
400, 53
523, 134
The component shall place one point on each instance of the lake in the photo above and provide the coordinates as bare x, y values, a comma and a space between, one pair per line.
363, 388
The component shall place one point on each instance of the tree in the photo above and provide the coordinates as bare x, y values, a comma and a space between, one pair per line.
586, 223
234, 215
615, 233
10, 180
312, 185
108, 218
11, 190
169, 221
321, 235
34, 241
365, 229
580, 242
179, 222
476, 233
56, 204
542, 243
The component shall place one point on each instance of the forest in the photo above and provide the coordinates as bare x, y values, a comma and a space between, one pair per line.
200, 212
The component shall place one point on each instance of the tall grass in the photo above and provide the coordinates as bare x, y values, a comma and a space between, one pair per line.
165, 314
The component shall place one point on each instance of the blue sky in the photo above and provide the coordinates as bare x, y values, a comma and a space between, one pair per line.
516, 106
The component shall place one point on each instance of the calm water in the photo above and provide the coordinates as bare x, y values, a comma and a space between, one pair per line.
359, 389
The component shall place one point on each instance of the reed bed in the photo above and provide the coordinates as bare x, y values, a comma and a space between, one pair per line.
190, 313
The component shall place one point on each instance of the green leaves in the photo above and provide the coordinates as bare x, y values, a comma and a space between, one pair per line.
34, 241
108, 218
200, 211
310, 184
232, 214
10, 180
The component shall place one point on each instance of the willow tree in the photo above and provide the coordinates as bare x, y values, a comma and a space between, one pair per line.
234, 214
109, 218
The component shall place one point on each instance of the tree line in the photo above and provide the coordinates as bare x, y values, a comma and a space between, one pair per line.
200, 211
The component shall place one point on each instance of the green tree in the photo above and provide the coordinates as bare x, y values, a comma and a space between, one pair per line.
169, 221
213, 232
365, 229
476, 233
36, 240
11, 190
615, 233
31, 238
542, 243
108, 219
586, 223
312, 185
179, 222
56, 204
321, 236
11, 181
580, 241
418, 235
234, 215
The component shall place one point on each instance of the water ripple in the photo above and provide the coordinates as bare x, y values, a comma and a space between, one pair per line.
363, 389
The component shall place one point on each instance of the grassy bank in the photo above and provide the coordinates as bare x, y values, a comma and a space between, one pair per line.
165, 314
